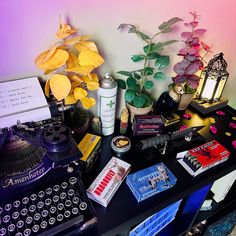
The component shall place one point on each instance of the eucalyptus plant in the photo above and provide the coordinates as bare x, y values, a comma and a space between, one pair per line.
139, 82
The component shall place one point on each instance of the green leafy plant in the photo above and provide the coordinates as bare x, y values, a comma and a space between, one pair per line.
139, 82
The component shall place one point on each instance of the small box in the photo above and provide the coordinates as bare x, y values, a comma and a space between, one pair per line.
150, 181
108, 181
148, 125
202, 158
89, 147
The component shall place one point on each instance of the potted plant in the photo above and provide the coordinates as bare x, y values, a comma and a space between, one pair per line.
139, 82
68, 65
192, 61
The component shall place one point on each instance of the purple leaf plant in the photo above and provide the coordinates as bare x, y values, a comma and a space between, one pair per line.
192, 60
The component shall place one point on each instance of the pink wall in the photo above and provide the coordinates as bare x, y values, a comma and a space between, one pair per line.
28, 27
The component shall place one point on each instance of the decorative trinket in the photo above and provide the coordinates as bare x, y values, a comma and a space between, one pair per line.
212, 120
124, 119
228, 134
213, 129
120, 144
187, 116
96, 126
220, 113
233, 125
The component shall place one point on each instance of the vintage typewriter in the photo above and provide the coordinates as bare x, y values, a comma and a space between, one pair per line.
41, 192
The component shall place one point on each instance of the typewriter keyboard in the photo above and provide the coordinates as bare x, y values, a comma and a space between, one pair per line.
46, 212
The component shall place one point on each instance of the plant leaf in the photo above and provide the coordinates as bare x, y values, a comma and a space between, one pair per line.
86, 102
173, 21
129, 95
153, 48
187, 35
159, 75
136, 58
153, 55
47, 88
135, 88
169, 42
90, 58
121, 83
139, 101
81, 70
85, 45
91, 85
131, 82
142, 35
148, 84
148, 71
126, 73
70, 99
60, 86
162, 61
80, 93
148, 100
136, 76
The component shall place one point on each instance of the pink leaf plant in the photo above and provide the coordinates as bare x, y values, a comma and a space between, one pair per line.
192, 61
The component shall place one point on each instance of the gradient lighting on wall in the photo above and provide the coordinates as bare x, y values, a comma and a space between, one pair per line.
214, 80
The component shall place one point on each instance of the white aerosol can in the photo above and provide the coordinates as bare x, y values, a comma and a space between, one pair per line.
107, 94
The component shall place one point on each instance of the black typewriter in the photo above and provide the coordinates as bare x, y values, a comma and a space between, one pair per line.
41, 192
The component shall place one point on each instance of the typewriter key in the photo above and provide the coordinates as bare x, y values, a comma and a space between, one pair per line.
67, 214
33, 197
53, 210
25, 200
40, 205
48, 202
29, 220
73, 180
8, 207
83, 206
20, 224
60, 217
18, 234
64, 185
6, 219
56, 188
11, 228
43, 224
3, 231
75, 210
48, 191
60, 206
1, 210
37, 217
35, 228
24, 211
41, 194
44, 213
16, 204
27, 232
55, 199
63, 195
32, 208
15, 215
71, 192
75, 200
68, 203
52, 221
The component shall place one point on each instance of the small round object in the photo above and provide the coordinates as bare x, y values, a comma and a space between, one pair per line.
37, 216
53, 210
15, 215
3, 231
68, 203
120, 144
33, 197
56, 188
6, 219
29, 220
8, 207
27, 232
43, 224
52, 221
63, 195
75, 210
1, 210
75, 200
32, 208
48, 191
20, 224
44, 213
40, 205
25, 200
11, 227
60, 217
55, 198
16, 203
35, 228
48, 202
64, 185
18, 234
67, 214
73, 180
41, 194
60, 206
71, 192
24, 211
83, 206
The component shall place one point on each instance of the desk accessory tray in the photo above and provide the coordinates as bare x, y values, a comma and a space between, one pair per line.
150, 181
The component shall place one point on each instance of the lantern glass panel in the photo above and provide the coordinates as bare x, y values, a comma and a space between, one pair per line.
208, 89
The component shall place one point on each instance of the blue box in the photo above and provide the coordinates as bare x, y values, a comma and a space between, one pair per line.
150, 181
155, 223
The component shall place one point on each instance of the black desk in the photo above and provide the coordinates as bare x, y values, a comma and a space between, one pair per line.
123, 212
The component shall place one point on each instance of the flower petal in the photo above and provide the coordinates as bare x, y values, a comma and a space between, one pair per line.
233, 125
220, 113
213, 129
234, 143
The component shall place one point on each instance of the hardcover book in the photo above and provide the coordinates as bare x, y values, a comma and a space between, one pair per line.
108, 181
150, 181
202, 158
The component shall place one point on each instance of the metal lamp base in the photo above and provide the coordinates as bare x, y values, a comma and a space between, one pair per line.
206, 107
